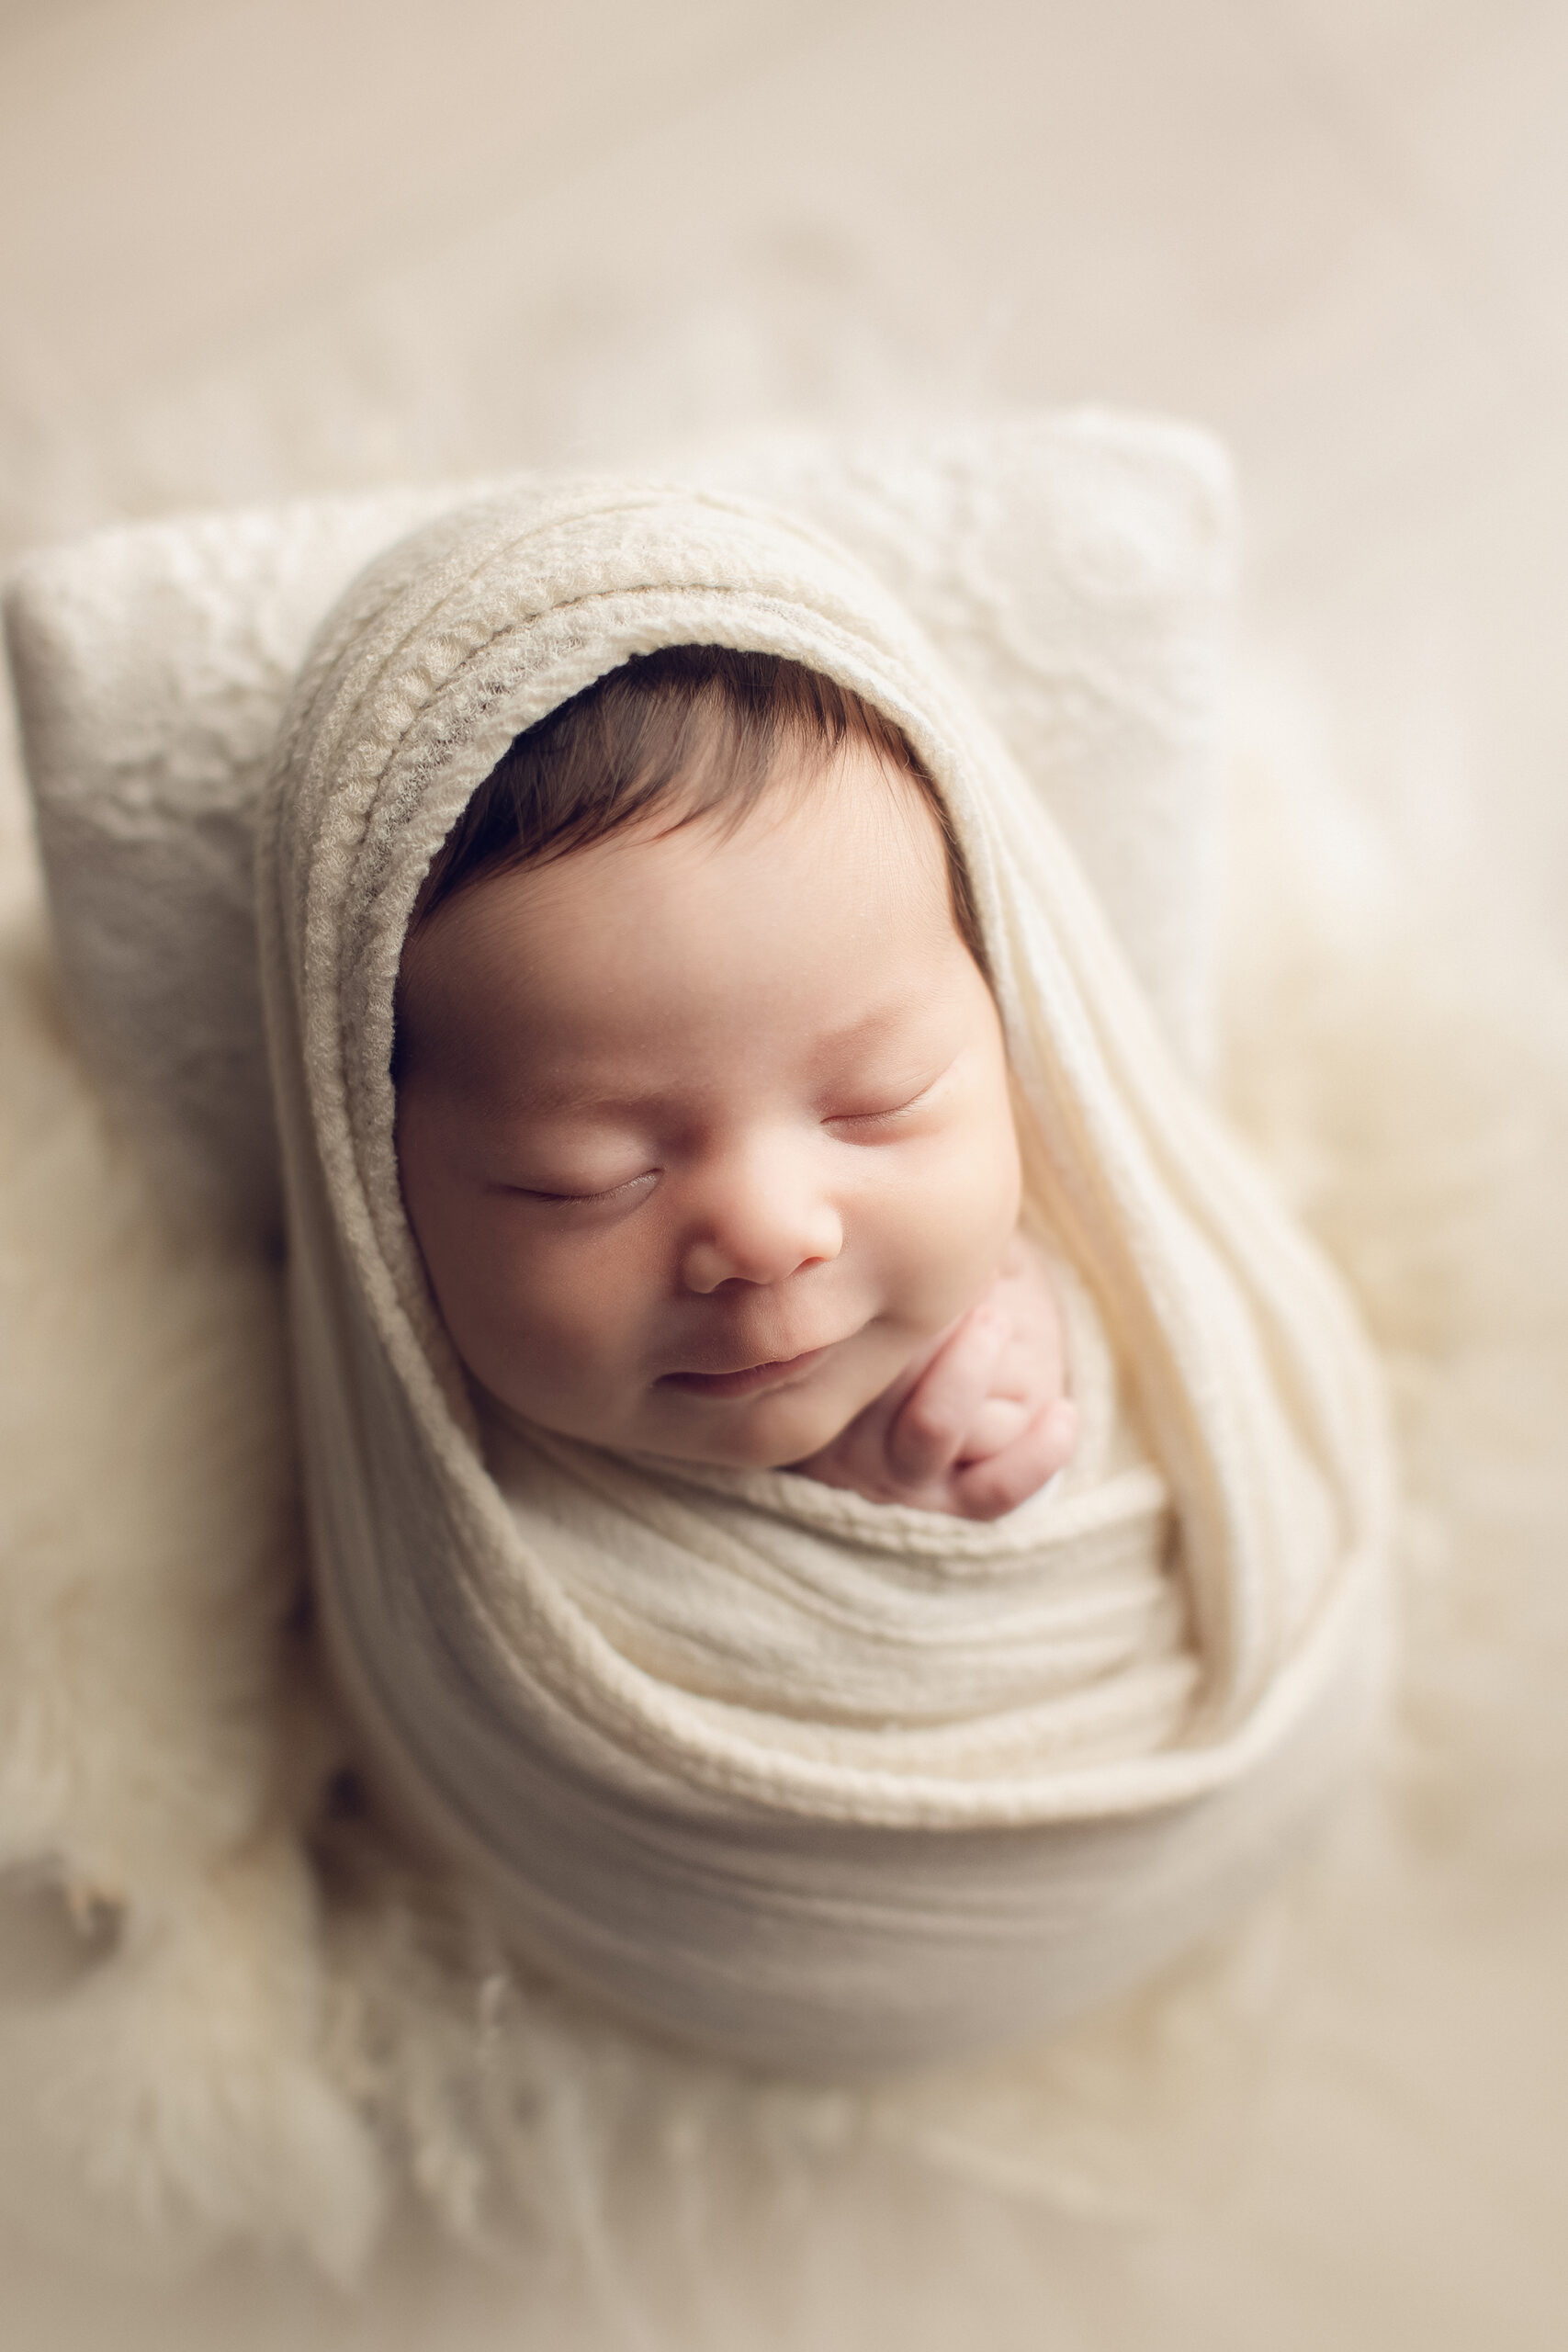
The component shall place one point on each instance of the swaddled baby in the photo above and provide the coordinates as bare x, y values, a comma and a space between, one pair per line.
704, 1124
643, 912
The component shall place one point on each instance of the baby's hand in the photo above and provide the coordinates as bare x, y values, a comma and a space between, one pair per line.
979, 1424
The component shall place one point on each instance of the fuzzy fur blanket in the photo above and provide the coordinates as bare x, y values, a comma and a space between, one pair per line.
1402, 1061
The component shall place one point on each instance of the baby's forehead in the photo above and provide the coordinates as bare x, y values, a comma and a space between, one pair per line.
826, 902
853, 803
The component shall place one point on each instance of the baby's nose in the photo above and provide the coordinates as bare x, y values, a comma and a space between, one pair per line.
760, 1226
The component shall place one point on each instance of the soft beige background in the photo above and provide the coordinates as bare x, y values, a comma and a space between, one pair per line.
254, 246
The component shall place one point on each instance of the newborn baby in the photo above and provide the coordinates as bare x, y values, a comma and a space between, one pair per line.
650, 1137
703, 1117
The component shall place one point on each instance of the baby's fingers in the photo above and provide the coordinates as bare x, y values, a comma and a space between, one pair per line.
928, 1433
989, 1489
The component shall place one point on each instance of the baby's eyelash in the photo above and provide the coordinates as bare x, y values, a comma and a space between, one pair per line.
876, 1118
583, 1200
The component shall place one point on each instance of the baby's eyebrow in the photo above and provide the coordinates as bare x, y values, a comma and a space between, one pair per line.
883, 1022
573, 1094
560, 1097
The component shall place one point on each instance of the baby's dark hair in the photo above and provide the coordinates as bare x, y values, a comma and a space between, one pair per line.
702, 725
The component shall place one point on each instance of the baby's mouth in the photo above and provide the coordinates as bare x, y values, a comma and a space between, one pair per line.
744, 1382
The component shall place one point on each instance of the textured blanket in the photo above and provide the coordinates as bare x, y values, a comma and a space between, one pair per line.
821, 1873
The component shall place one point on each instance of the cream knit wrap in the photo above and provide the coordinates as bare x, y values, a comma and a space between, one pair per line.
820, 1783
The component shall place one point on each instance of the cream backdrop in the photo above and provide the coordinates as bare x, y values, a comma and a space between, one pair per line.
249, 250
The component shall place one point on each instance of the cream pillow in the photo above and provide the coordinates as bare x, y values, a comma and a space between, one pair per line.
1074, 572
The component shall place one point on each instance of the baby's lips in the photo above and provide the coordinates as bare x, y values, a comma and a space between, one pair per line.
744, 1379
724, 1364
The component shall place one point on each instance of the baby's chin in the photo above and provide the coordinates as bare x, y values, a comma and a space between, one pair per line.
752, 1433
773, 1429
771, 1441
767, 1432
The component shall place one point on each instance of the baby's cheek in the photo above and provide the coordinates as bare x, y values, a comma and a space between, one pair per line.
550, 1326
519, 1331
954, 1235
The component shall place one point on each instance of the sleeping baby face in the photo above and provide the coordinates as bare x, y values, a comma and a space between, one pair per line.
704, 1134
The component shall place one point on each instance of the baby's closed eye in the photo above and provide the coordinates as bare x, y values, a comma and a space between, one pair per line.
870, 1102
624, 1193
874, 1113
